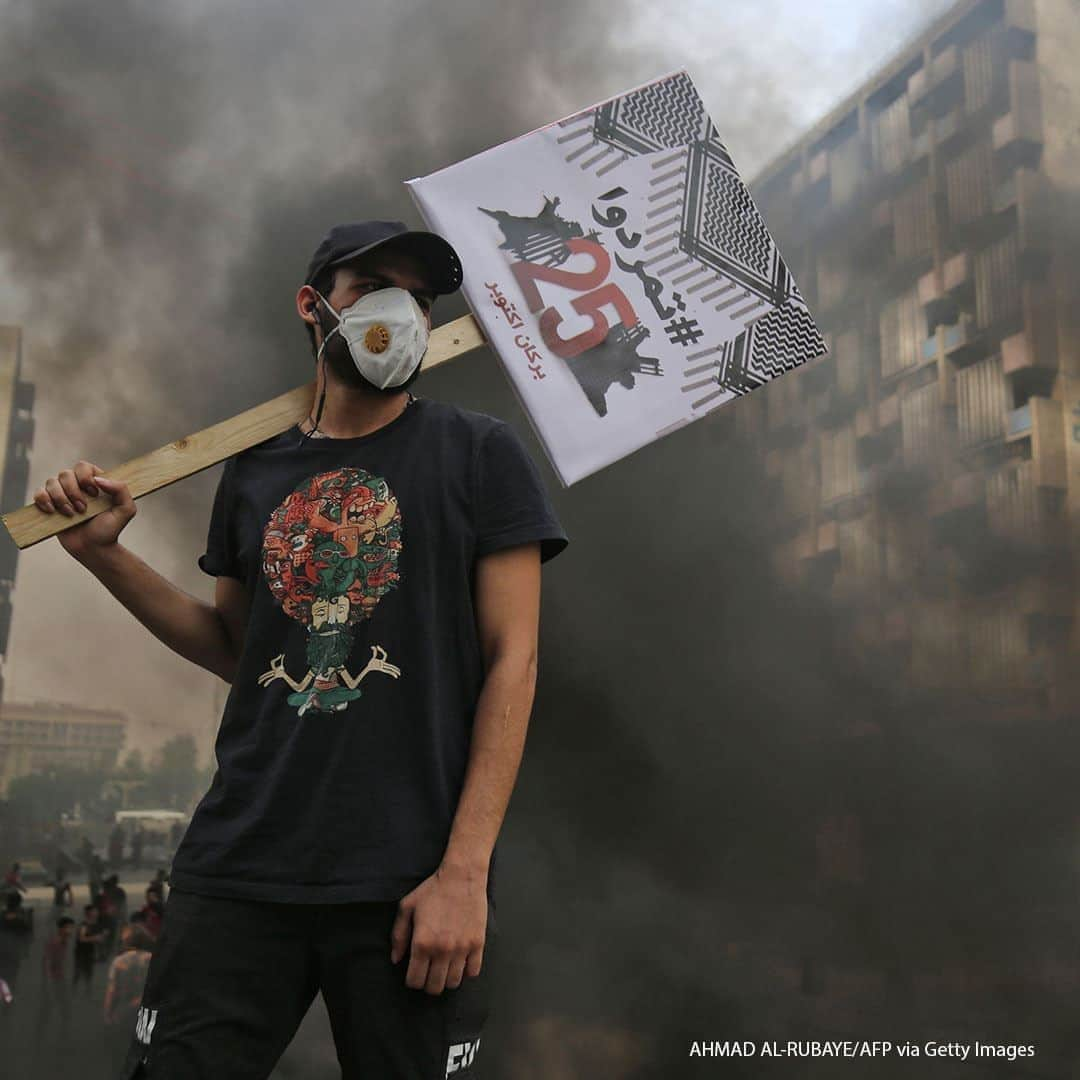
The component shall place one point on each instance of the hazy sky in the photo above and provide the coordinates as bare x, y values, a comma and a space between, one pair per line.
168, 172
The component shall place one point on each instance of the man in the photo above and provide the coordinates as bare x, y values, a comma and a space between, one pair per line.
61, 886
95, 876
152, 913
55, 987
88, 942
113, 910
123, 990
376, 612
13, 881
15, 937
116, 845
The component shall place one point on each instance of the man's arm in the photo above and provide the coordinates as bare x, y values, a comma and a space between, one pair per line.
445, 916
508, 618
110, 991
208, 635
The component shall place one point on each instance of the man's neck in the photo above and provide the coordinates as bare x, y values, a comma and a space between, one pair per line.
349, 413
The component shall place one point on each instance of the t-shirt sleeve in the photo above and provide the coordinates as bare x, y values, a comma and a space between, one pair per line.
221, 558
512, 505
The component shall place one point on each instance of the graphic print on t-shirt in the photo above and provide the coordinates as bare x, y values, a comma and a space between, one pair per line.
329, 553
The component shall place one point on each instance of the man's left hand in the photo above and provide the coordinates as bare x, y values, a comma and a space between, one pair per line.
445, 917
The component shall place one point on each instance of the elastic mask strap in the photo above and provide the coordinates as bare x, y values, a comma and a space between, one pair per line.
322, 395
327, 337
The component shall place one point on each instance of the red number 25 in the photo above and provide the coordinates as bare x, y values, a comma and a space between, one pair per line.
599, 295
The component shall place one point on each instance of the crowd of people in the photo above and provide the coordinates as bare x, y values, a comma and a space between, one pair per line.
105, 934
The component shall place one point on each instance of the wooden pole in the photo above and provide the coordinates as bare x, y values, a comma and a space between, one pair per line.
29, 525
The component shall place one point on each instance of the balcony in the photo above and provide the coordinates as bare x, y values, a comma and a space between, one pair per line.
873, 446
810, 185
828, 545
872, 239
1019, 16
949, 127
1030, 195
930, 350
837, 404
1042, 420
920, 145
24, 396
1018, 422
937, 305
888, 411
918, 86
958, 276
1018, 140
1043, 595
817, 375
1017, 135
1026, 191
15, 478
22, 431
820, 553
1017, 28
939, 85
960, 341
1022, 353
958, 508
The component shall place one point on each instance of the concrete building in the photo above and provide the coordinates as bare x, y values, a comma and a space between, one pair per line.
16, 438
927, 470
41, 735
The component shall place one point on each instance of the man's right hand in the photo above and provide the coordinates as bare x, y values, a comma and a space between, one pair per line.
65, 493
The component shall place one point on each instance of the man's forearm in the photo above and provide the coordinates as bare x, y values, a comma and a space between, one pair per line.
188, 626
498, 741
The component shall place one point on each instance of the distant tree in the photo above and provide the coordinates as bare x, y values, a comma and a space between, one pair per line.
133, 767
173, 777
40, 798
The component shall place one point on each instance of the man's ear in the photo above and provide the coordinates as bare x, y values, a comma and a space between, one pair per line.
310, 304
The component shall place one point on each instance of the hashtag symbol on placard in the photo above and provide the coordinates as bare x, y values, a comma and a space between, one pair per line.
683, 331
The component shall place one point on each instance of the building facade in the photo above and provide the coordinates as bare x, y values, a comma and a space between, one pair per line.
37, 736
927, 471
16, 438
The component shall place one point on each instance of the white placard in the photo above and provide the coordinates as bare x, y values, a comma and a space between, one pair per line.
617, 263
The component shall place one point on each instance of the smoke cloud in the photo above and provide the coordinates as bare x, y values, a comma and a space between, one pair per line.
168, 171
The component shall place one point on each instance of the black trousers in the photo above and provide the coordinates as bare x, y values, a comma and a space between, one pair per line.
230, 981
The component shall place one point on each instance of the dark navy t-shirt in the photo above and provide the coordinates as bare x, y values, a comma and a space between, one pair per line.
345, 738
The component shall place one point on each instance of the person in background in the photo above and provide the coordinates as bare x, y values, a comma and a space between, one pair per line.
137, 841
123, 989
113, 907
95, 874
87, 942
153, 911
13, 879
116, 846
15, 938
62, 894
55, 988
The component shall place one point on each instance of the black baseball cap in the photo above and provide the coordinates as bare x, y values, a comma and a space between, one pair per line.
345, 242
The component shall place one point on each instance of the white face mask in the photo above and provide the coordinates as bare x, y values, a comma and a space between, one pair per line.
387, 335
